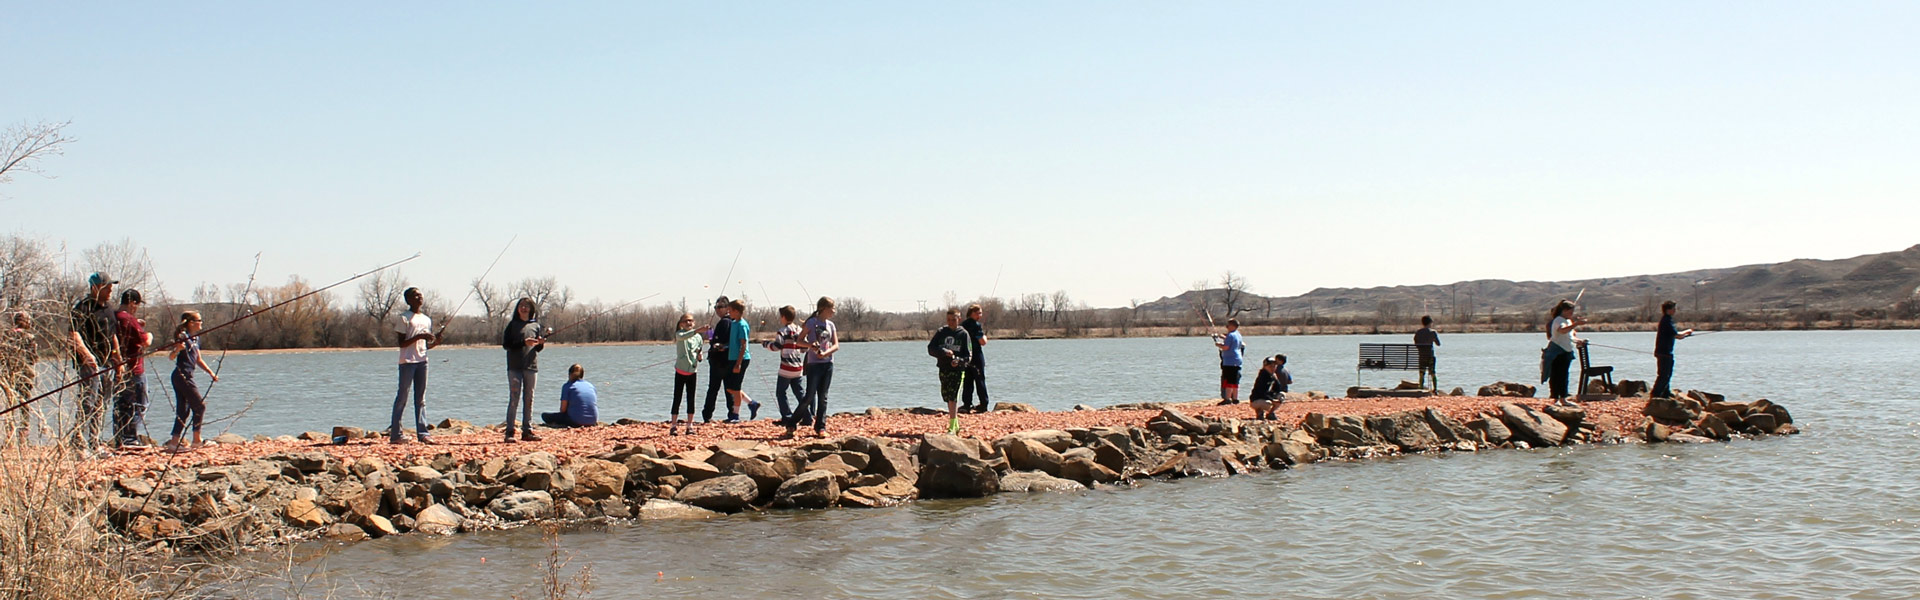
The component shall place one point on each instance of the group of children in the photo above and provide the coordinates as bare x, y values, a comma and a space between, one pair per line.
805, 350
1269, 385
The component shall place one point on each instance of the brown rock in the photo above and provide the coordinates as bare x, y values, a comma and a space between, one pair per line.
346, 532
305, 514
599, 479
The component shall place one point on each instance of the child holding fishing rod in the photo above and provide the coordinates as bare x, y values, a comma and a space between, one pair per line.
793, 361
822, 340
1562, 343
951, 349
738, 358
189, 407
414, 334
1232, 354
686, 362
523, 341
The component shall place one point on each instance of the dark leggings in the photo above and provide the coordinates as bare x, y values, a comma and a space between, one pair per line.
188, 405
976, 382
717, 372
686, 382
1558, 374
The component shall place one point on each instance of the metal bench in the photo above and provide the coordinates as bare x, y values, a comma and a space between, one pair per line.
1387, 357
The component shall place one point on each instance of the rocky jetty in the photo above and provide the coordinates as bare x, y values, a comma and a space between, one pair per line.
292, 490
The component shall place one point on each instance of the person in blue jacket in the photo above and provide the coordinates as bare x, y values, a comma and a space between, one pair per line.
579, 406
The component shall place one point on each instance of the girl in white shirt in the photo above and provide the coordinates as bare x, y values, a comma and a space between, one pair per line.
1560, 334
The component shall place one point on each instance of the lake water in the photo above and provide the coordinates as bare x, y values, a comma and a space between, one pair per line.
1830, 513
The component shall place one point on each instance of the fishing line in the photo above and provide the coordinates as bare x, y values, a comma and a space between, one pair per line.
206, 331
471, 289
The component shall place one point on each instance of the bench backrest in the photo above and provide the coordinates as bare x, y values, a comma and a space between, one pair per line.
1389, 356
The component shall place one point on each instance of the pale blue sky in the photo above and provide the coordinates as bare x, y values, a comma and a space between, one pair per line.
897, 151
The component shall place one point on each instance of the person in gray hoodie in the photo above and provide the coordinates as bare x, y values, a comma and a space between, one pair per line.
523, 339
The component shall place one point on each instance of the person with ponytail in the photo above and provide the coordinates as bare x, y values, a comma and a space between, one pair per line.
189, 407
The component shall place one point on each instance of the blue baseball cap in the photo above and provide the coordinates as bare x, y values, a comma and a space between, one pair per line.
99, 278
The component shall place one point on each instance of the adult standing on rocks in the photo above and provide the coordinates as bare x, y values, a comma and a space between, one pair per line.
130, 406
822, 340
1561, 346
1424, 340
414, 332
95, 346
717, 367
950, 349
523, 340
1663, 350
1232, 354
976, 379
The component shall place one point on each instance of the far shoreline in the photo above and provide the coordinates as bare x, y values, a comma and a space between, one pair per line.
1167, 331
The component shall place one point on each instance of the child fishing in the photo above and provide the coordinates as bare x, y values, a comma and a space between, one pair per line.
951, 350
189, 407
686, 362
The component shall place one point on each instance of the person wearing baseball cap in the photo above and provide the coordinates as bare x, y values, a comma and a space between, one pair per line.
93, 333
130, 405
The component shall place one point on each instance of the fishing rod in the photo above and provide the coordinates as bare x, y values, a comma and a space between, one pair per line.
553, 332
729, 277
1201, 308
1003, 270
206, 331
472, 289
1590, 343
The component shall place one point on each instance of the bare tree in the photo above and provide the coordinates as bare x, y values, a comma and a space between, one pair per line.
546, 292
124, 260
23, 145
489, 296
380, 295
1061, 302
1233, 288
27, 270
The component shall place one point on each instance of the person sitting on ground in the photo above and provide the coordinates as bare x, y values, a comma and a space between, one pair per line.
579, 407
1270, 386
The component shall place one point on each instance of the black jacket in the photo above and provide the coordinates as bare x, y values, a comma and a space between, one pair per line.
950, 339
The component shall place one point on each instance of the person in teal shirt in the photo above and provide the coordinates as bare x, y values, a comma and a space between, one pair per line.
740, 356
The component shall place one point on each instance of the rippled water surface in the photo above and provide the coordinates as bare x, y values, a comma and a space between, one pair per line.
1830, 513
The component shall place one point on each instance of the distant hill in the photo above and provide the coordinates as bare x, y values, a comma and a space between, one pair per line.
1870, 282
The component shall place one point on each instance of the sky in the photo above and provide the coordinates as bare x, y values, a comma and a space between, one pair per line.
898, 152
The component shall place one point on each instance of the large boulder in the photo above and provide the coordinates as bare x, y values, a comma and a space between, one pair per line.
1056, 439
1445, 428
1036, 482
889, 493
1630, 388
1341, 430
418, 474
437, 519
1030, 455
1711, 425
1571, 416
812, 489
1673, 410
761, 472
641, 467
598, 479
1505, 389
1195, 462
949, 467
1191, 425
519, 467
727, 493
1085, 470
305, 514
694, 470
1408, 430
522, 505
657, 508
1490, 430
1532, 426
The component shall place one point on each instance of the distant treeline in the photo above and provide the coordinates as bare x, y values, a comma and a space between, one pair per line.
37, 277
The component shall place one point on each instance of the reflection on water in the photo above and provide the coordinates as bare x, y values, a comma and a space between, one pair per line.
1831, 513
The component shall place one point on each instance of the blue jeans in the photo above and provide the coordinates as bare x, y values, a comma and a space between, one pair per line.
1663, 382
520, 395
813, 406
189, 407
780, 385
94, 391
130, 410
412, 376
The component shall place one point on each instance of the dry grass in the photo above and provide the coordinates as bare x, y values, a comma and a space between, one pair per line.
56, 540
555, 584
